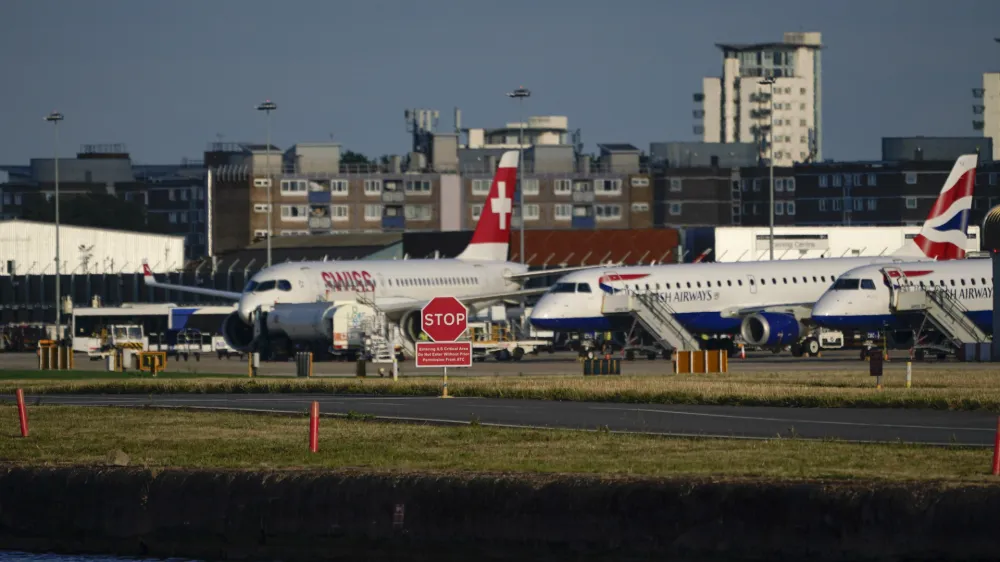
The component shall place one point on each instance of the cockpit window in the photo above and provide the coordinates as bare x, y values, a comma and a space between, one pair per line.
265, 286
846, 284
868, 284
250, 287
583, 287
284, 285
564, 288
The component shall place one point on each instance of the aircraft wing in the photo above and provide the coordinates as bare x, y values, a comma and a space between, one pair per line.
396, 311
560, 271
150, 280
801, 311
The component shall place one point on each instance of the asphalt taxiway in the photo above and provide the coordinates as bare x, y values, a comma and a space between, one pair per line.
847, 424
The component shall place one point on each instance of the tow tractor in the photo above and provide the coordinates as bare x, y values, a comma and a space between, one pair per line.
110, 338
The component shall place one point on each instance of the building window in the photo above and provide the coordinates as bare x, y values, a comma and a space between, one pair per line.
481, 187
789, 184
789, 207
859, 204
373, 187
911, 178
822, 204
477, 211
756, 184
779, 184
532, 212
639, 182
172, 218
184, 194
676, 184
339, 187
838, 204
294, 187
871, 179
563, 187
911, 202
418, 212
857, 180
872, 204
340, 212
802, 91
418, 186
640, 207
837, 182
562, 211
294, 212
260, 207
373, 212
582, 187
993, 178
260, 234
802, 123
530, 187
779, 208
608, 212
608, 187
675, 209
824, 181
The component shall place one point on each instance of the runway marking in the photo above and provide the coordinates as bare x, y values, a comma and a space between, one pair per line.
789, 420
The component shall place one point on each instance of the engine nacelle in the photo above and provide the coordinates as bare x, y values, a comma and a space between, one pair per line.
237, 334
769, 329
409, 325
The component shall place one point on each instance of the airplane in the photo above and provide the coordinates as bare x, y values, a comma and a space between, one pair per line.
860, 300
768, 303
297, 297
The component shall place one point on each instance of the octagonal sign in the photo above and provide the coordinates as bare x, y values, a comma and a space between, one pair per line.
444, 319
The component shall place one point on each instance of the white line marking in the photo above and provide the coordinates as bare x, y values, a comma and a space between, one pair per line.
789, 420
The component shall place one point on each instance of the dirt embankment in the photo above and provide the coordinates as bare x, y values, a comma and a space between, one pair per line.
313, 516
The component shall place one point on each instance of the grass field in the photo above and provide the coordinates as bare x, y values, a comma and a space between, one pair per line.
936, 389
161, 438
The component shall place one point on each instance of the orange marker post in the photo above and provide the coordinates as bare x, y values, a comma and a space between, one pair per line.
314, 427
996, 451
22, 413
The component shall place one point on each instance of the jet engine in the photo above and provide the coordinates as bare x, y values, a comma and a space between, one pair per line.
409, 325
769, 329
237, 334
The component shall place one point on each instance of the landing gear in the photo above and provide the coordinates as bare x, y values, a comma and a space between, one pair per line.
811, 347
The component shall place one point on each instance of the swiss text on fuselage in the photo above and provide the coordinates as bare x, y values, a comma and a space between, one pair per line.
348, 281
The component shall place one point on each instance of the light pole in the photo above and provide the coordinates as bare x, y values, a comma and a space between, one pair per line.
55, 117
268, 106
519, 94
769, 81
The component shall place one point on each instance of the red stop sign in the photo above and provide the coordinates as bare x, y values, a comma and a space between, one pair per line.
444, 319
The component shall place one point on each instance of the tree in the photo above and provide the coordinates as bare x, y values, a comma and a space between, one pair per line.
351, 157
95, 210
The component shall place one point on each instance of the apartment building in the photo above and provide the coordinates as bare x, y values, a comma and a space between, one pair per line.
767, 91
986, 110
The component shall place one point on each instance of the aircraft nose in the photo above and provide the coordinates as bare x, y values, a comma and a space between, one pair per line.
828, 311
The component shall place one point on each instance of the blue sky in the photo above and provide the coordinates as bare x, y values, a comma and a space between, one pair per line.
166, 78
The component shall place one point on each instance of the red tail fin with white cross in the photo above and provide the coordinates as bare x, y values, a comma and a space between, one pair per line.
491, 240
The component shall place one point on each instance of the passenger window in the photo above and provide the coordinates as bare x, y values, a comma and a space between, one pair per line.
784, 280
698, 283
284, 285
751, 282
657, 286
952, 282
868, 284
583, 287
762, 281
774, 281
814, 279
963, 282
973, 280
668, 286
729, 282
689, 284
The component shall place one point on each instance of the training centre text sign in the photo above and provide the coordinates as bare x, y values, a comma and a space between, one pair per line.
444, 320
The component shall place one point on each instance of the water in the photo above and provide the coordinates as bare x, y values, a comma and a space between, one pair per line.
6, 556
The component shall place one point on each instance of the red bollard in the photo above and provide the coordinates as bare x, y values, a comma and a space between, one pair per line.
996, 451
314, 427
22, 413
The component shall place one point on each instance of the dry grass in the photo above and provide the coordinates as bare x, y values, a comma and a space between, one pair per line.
937, 389
160, 438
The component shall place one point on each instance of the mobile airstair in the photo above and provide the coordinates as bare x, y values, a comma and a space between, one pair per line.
653, 313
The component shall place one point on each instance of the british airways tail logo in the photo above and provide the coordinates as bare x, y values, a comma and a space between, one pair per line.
619, 278
943, 236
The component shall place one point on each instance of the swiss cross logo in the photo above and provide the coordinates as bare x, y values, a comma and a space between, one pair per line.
501, 204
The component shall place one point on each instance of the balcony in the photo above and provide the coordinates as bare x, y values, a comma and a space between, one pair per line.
390, 197
320, 223
699, 97
583, 197
760, 98
760, 113
978, 93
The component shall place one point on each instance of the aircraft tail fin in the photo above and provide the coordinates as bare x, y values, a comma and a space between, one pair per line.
491, 240
944, 233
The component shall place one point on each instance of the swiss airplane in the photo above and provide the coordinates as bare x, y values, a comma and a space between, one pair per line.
769, 303
298, 297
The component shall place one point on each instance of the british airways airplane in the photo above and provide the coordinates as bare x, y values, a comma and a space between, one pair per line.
300, 298
769, 303
860, 299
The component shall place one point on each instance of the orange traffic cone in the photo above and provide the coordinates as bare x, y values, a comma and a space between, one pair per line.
743, 352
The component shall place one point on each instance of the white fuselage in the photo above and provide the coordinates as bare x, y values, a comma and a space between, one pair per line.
860, 300
386, 282
705, 297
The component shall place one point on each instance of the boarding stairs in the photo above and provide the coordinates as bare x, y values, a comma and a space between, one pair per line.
940, 308
381, 338
654, 314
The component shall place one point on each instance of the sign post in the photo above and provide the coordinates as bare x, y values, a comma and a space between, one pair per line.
444, 320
